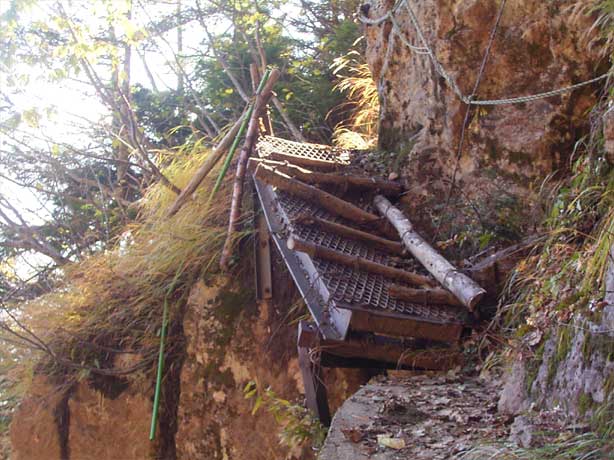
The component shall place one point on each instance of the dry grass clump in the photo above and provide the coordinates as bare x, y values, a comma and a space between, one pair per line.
359, 131
600, 35
110, 306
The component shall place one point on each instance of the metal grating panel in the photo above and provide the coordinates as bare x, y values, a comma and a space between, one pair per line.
269, 145
350, 286
346, 285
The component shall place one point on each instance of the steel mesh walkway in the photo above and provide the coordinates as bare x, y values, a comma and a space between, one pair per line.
344, 286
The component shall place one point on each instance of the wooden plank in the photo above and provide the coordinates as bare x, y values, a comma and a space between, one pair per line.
324, 199
315, 391
392, 247
400, 325
322, 252
327, 165
378, 351
262, 251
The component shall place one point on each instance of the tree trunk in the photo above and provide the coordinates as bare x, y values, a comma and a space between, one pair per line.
463, 287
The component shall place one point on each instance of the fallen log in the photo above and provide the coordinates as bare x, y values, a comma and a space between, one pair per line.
390, 246
206, 167
463, 287
423, 296
346, 181
262, 98
326, 200
322, 252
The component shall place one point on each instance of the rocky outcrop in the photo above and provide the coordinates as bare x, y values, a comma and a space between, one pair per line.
81, 423
229, 340
572, 370
539, 46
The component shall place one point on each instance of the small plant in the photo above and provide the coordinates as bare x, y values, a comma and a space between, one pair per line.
297, 426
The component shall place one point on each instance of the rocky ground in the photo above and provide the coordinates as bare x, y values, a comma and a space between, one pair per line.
420, 417
436, 417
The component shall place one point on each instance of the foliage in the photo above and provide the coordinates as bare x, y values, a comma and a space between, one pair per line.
110, 304
297, 425
567, 445
356, 82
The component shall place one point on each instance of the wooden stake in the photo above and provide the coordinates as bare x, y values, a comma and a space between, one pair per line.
346, 181
463, 287
264, 116
390, 246
423, 296
324, 199
206, 167
322, 252
250, 138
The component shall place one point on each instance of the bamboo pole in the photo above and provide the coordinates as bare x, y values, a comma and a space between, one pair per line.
206, 167
464, 288
347, 181
393, 247
265, 115
229, 156
326, 200
262, 98
322, 252
424, 296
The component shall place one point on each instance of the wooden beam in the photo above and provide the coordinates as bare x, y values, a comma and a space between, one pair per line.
262, 99
459, 284
326, 200
366, 319
322, 252
328, 165
209, 163
393, 247
343, 180
362, 350
315, 391
423, 296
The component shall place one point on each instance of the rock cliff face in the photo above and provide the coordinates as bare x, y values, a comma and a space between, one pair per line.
229, 340
538, 47
508, 149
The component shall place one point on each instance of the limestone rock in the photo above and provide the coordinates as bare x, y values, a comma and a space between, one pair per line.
521, 432
514, 398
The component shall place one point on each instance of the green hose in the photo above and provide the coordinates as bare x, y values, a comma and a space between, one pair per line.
156, 403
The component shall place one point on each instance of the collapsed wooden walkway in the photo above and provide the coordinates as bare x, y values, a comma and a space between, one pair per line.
372, 303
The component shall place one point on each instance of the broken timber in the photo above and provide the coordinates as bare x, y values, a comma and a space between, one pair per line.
326, 200
459, 284
393, 247
344, 180
318, 251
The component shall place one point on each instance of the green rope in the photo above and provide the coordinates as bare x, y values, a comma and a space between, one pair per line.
231, 152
